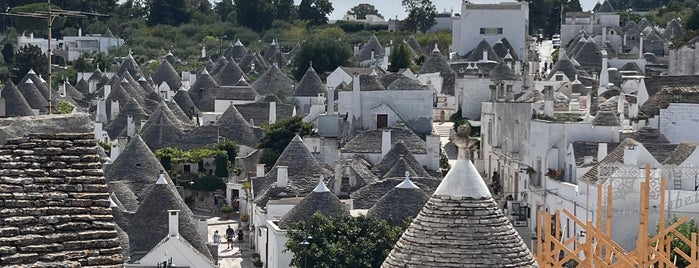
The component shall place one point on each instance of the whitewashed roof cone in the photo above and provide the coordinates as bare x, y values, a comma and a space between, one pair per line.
321, 186
460, 226
161, 179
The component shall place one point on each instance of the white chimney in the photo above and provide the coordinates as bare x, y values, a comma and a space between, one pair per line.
604, 35
107, 91
587, 160
385, 142
603, 75
485, 55
114, 153
640, 47
372, 55
331, 101
601, 151
130, 126
114, 111
101, 115
203, 51
631, 154
272, 112
80, 31
173, 223
633, 110
282, 176
356, 98
259, 170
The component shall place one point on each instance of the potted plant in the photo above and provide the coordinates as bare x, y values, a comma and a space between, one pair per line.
257, 263
226, 210
245, 218
255, 256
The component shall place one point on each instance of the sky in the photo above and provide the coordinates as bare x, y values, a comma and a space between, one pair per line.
393, 8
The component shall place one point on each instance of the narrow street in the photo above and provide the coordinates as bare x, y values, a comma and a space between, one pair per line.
239, 254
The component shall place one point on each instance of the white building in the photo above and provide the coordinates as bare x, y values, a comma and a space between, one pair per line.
491, 22
71, 47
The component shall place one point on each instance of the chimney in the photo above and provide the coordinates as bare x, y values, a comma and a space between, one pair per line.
107, 91
631, 154
356, 98
493, 93
130, 126
173, 223
604, 35
331, 101
114, 111
509, 93
640, 47
80, 31
101, 115
485, 55
355, 51
601, 151
623, 42
259, 170
603, 75
633, 110
548, 101
372, 55
385, 142
272, 112
92, 85
620, 103
203, 51
282, 176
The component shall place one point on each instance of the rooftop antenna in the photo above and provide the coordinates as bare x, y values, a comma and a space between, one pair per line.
50, 15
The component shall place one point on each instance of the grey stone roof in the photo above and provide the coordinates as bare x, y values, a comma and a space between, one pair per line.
273, 81
230, 74
436, 63
160, 130
669, 94
251, 60
273, 54
73, 93
33, 97
209, 64
203, 92
369, 83
39, 83
199, 137
259, 112
220, 63
614, 156
399, 152
606, 118
386, 80
83, 87
128, 65
310, 84
582, 149
56, 213
673, 29
589, 56
646, 135
457, 226
477, 53
509, 48
606, 7
123, 191
234, 126
415, 45
245, 93
150, 222
166, 73
405, 83
367, 196
236, 51
370, 141
96, 75
180, 115
372, 44
138, 165
502, 72
186, 104
564, 65
15, 104
320, 200
680, 153
303, 169
655, 84
632, 66
118, 124
270, 98
400, 204
643, 24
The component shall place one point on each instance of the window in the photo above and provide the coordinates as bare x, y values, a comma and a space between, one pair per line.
491, 31
186, 168
559, 77
381, 120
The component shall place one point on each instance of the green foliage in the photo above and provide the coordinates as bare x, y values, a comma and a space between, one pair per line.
341, 241
539, 12
8, 53
223, 9
221, 161
458, 120
350, 26
421, 15
315, 11
686, 229
170, 12
226, 209
35, 25
63, 108
4, 71
286, 10
362, 10
326, 54
255, 14
278, 135
400, 58
177, 155
29, 57
105, 146
231, 149
554, 55
444, 165
693, 20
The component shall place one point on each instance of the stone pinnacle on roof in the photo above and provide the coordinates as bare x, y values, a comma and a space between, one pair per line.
458, 225
321, 186
401, 203
321, 200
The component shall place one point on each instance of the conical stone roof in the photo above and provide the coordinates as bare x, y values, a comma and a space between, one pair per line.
15, 104
181, 116
230, 74
372, 45
186, 104
123, 191
399, 169
220, 63
166, 73
399, 151
477, 53
589, 56
39, 83
460, 226
118, 124
502, 72
83, 87
203, 92
400, 204
310, 84
272, 82
232, 125
160, 131
138, 165
150, 222
321, 200
34, 98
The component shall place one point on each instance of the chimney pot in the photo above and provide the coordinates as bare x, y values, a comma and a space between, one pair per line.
282, 176
173, 223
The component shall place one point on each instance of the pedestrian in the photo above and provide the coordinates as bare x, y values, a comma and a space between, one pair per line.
240, 237
217, 237
230, 233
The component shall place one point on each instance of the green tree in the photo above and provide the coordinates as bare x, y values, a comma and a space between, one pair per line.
170, 12
221, 162
8, 53
315, 11
362, 10
29, 57
4, 71
539, 11
278, 135
400, 58
686, 229
286, 10
255, 14
326, 54
693, 20
223, 9
341, 241
231, 149
421, 15
63, 108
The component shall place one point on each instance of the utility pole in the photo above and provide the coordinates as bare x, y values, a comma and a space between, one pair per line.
50, 16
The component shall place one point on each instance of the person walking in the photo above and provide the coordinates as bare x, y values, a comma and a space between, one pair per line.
217, 237
230, 233
240, 237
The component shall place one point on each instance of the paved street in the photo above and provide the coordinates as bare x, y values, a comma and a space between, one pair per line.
237, 256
